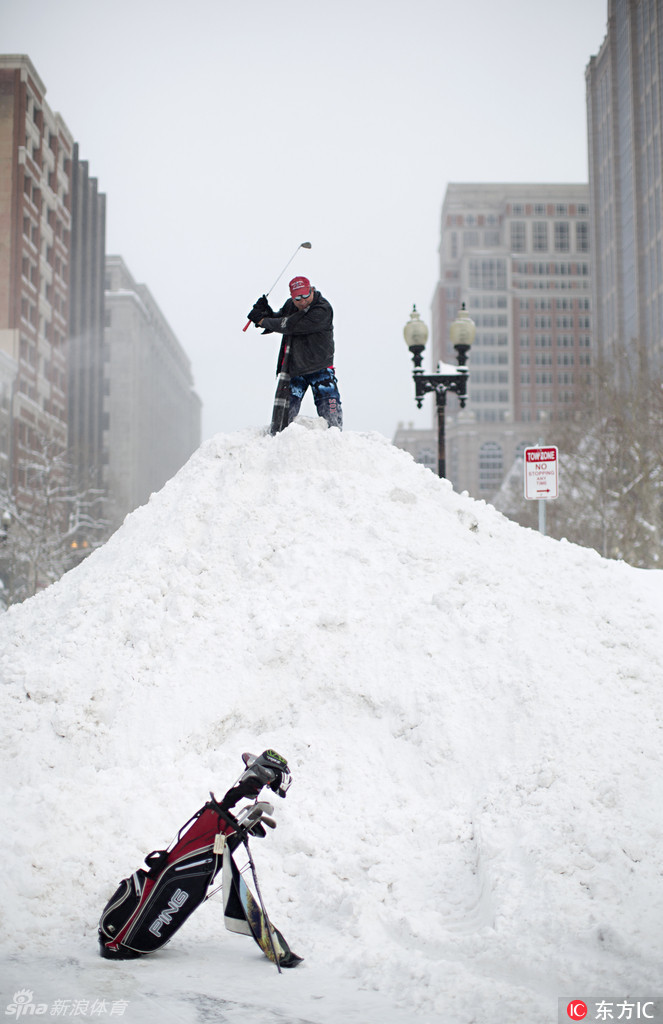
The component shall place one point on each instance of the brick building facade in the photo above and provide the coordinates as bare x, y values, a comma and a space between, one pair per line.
36, 150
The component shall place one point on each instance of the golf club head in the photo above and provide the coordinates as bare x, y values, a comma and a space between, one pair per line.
305, 245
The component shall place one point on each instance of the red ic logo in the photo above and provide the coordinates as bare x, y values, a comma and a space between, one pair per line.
577, 1010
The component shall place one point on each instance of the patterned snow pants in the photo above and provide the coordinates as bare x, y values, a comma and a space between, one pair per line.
326, 396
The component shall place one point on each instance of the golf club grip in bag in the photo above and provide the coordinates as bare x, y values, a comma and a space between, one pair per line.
152, 904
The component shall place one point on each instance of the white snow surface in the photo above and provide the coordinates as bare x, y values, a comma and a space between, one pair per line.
472, 714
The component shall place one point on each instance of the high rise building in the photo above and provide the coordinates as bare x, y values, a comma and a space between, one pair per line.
36, 150
625, 128
518, 256
86, 329
110, 387
152, 413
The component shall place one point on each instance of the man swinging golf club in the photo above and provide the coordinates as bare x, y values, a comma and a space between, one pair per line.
306, 322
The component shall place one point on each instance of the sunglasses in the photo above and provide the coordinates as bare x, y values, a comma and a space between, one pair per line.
297, 297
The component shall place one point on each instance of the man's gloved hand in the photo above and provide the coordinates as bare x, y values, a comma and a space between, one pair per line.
256, 315
260, 309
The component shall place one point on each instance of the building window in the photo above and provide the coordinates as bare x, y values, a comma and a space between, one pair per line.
561, 236
582, 236
491, 466
488, 275
518, 236
540, 236
427, 458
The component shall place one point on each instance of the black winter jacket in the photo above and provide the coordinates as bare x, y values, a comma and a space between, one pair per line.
309, 331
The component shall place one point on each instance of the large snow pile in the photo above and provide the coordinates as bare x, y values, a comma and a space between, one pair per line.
472, 713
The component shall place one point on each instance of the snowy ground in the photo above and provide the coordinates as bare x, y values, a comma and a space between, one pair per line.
473, 715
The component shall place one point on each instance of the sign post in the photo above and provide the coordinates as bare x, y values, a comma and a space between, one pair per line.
541, 478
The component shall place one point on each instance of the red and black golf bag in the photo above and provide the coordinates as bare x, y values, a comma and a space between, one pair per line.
152, 904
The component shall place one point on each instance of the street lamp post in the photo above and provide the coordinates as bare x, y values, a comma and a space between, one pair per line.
448, 378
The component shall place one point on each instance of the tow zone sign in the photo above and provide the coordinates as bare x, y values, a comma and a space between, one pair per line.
541, 473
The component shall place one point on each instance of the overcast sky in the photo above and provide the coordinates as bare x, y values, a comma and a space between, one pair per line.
225, 133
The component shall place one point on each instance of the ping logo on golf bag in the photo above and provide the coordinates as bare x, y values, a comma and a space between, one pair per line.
176, 902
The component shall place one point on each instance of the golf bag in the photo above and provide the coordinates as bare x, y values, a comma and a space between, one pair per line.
154, 902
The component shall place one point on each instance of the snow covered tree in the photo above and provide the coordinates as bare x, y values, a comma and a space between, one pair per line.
611, 473
49, 528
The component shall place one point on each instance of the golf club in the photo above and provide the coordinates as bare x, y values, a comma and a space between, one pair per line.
302, 245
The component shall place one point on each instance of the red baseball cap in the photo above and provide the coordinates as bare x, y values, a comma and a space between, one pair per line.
299, 286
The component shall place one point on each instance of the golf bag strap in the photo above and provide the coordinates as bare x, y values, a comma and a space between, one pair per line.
223, 812
156, 861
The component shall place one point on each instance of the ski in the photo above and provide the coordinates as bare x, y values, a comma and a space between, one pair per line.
281, 407
243, 914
